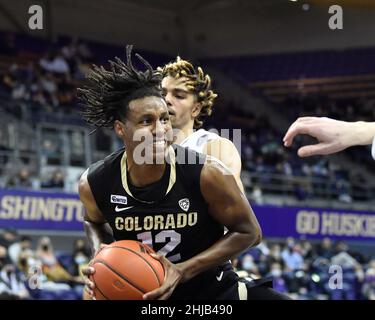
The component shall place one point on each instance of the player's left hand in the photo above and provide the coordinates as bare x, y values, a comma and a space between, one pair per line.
173, 276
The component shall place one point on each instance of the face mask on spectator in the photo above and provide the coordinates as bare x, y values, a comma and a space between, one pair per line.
247, 265
276, 273
80, 260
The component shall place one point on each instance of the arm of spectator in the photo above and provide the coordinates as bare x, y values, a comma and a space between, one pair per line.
333, 135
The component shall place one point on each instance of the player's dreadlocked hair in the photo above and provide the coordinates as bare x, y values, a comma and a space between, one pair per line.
198, 83
108, 92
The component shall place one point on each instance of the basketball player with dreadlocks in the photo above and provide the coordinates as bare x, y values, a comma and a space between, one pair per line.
193, 254
187, 91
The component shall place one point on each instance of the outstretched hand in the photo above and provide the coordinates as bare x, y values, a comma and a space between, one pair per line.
333, 135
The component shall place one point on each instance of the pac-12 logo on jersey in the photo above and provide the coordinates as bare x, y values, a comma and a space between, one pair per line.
119, 199
184, 204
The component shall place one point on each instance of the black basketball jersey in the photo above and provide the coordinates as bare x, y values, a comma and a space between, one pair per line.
175, 222
170, 215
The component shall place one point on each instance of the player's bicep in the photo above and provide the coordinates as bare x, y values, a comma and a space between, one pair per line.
227, 204
92, 212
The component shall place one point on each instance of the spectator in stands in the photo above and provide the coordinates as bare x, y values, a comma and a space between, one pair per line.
275, 254
300, 191
50, 265
11, 285
80, 261
80, 245
325, 249
49, 87
257, 195
57, 181
15, 249
8, 237
320, 168
263, 248
342, 256
26, 260
14, 83
248, 265
81, 257
21, 180
39, 283
70, 54
54, 62
276, 273
4, 259
368, 289
292, 257
85, 55
308, 251
343, 192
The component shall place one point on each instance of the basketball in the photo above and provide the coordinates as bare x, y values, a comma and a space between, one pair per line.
124, 270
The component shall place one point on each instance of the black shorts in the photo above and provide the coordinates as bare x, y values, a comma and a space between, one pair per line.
223, 283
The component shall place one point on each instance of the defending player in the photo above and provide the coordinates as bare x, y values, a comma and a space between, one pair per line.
187, 91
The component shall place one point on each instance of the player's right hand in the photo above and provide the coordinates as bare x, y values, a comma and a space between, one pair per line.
89, 284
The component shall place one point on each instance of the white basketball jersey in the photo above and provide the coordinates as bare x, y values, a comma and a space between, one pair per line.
196, 142
198, 139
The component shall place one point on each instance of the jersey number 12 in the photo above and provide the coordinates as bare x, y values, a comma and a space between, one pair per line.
161, 237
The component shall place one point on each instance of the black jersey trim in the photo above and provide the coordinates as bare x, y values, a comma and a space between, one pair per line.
172, 174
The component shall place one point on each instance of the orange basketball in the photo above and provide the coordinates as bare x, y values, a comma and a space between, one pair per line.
124, 270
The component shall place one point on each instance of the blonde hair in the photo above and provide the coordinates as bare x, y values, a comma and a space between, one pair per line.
197, 82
